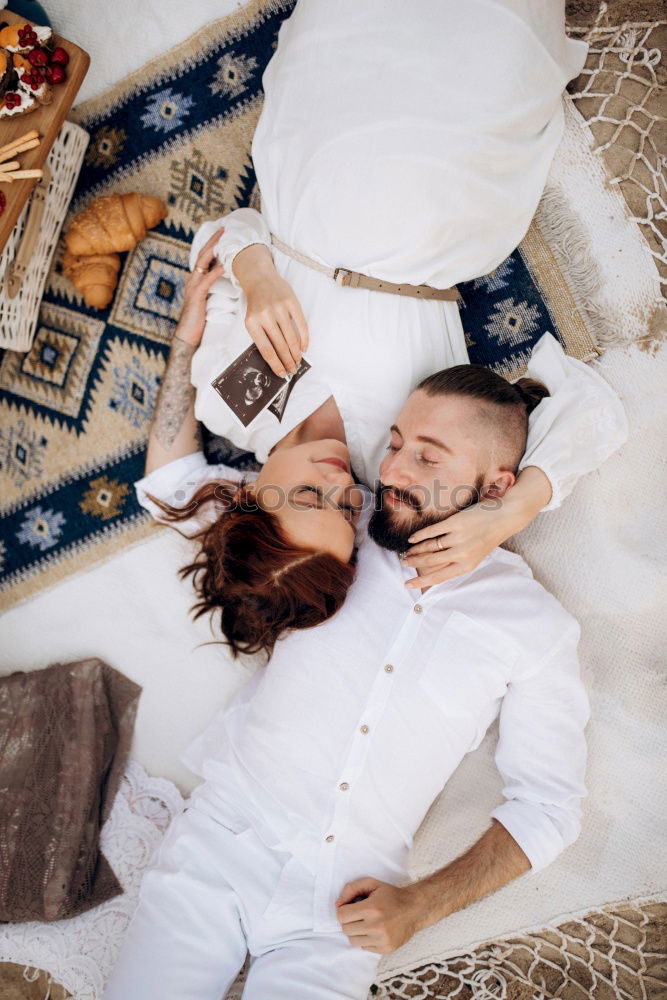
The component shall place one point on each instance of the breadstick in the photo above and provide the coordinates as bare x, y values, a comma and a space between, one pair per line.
32, 134
18, 174
6, 167
6, 178
19, 149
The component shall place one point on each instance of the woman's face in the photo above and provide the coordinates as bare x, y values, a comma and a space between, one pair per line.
310, 490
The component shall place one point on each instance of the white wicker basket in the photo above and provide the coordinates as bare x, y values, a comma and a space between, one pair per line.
18, 315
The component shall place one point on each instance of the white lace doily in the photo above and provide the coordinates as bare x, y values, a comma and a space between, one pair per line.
80, 953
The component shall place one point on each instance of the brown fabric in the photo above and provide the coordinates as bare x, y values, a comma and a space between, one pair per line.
584, 12
65, 735
19, 983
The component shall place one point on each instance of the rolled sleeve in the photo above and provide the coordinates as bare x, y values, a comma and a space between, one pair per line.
243, 228
577, 427
175, 483
541, 754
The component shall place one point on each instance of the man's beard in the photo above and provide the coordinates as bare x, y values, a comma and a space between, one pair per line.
391, 531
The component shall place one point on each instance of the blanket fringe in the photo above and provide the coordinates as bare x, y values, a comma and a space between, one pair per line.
570, 244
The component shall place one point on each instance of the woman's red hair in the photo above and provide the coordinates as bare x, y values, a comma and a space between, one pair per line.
262, 584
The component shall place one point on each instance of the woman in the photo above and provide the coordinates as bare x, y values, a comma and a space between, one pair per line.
412, 148
266, 564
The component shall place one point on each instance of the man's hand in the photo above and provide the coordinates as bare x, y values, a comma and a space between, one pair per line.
385, 919
274, 318
389, 915
191, 325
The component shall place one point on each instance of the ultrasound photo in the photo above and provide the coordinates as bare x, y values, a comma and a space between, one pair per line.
248, 386
278, 405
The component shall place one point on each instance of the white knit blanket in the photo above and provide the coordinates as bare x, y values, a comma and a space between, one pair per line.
602, 554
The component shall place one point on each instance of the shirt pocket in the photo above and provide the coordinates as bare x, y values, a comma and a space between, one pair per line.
467, 671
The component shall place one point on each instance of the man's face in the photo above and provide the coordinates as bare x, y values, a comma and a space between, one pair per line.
439, 460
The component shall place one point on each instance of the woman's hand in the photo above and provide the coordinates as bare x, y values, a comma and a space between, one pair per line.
274, 318
455, 546
458, 544
191, 325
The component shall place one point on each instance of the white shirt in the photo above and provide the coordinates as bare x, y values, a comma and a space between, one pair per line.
369, 350
335, 750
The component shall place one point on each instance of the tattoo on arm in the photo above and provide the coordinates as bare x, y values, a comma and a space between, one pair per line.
176, 395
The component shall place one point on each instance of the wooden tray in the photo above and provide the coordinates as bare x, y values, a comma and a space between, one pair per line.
46, 119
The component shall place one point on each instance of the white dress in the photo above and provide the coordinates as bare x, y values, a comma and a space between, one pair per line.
412, 143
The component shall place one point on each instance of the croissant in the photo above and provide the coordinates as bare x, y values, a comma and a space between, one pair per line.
113, 223
95, 276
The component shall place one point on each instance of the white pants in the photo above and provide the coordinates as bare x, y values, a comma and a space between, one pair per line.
214, 894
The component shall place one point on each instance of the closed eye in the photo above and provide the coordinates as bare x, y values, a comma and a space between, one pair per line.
314, 491
318, 494
393, 448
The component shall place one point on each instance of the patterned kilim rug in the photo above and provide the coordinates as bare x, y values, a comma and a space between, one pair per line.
75, 409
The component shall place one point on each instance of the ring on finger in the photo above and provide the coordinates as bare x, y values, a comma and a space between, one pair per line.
201, 270
438, 543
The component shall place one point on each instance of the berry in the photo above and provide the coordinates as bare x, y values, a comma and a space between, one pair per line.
59, 56
3, 202
27, 35
12, 100
55, 74
38, 57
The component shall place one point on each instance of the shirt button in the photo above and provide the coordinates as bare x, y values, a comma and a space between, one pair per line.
389, 668
329, 838
343, 786
417, 609
363, 729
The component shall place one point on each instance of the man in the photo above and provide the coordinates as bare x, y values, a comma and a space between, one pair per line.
320, 771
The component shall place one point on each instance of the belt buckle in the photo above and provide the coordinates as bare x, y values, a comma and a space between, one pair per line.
342, 276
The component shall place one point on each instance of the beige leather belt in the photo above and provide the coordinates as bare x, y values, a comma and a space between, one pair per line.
354, 279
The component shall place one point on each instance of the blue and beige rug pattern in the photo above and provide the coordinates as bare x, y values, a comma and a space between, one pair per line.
75, 410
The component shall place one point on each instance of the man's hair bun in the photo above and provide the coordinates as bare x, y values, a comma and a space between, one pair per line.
532, 392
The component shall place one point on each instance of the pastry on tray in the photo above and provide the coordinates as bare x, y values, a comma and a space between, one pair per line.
32, 80
24, 37
30, 64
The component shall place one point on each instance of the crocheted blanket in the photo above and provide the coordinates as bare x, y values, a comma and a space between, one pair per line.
615, 951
